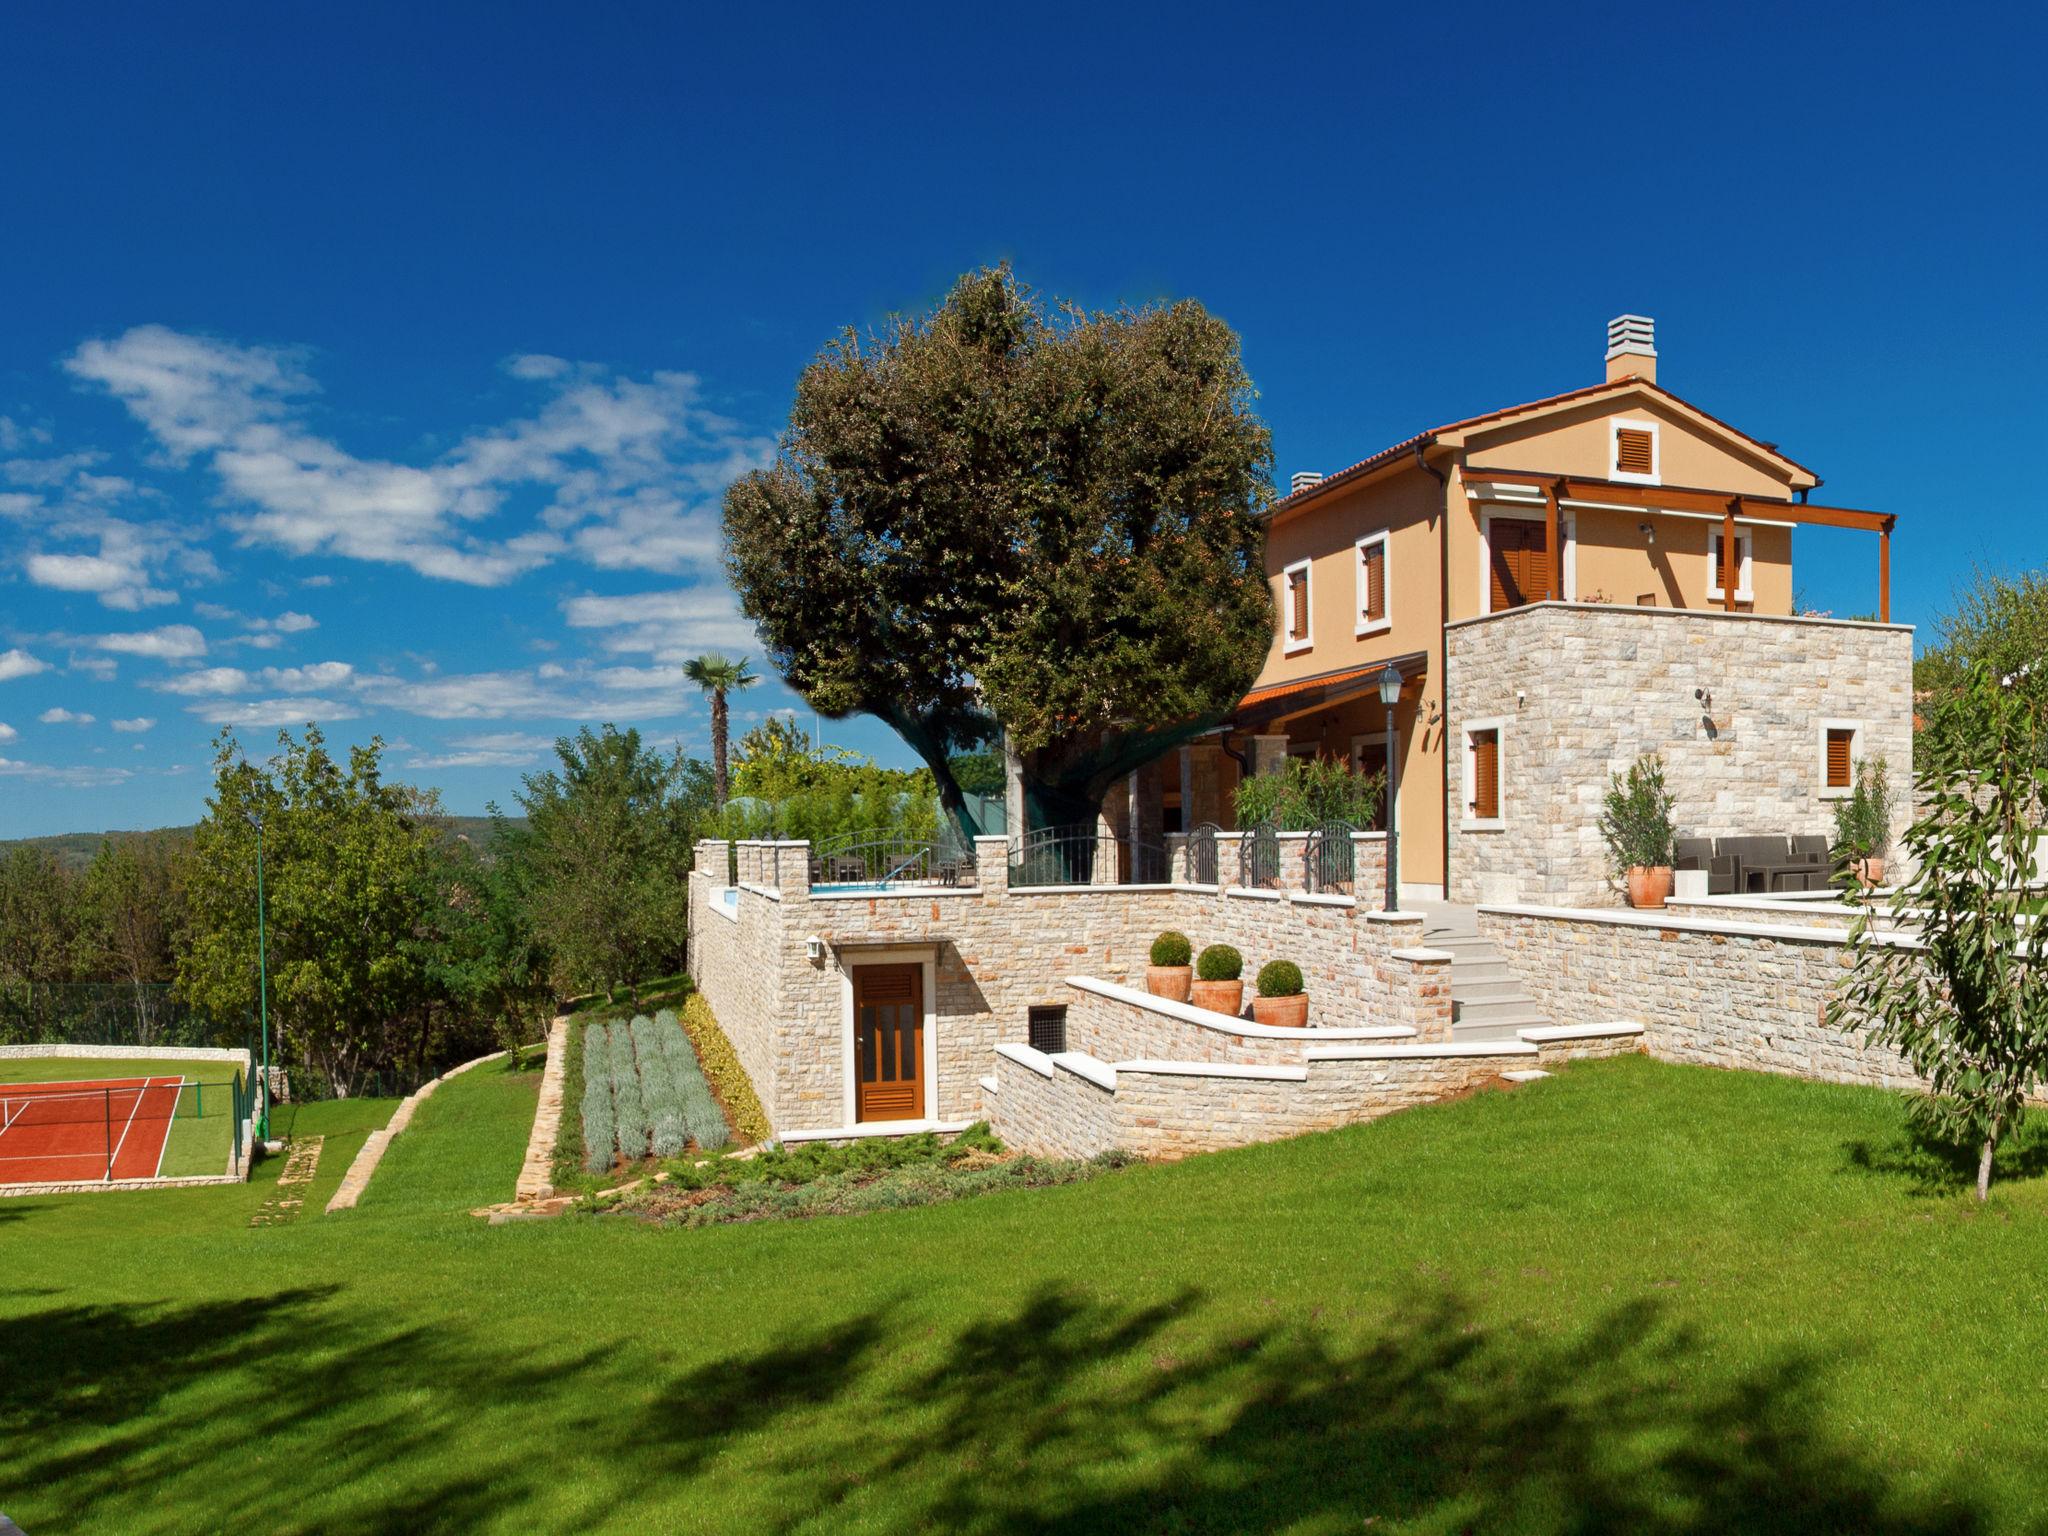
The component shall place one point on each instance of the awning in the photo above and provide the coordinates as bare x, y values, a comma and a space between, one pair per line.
1262, 706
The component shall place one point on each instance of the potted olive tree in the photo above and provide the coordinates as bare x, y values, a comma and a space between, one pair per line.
1863, 823
1281, 999
1170, 974
1219, 980
1636, 825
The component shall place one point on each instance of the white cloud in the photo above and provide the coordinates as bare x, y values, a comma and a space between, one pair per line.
7, 732
292, 711
136, 726
668, 626
488, 749
80, 777
630, 470
171, 642
58, 715
210, 682
205, 682
18, 663
288, 623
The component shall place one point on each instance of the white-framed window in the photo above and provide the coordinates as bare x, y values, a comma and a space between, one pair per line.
1374, 565
1634, 452
1745, 591
1297, 604
1839, 748
1484, 786
1519, 562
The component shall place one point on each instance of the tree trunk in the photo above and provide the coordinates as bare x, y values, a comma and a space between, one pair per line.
1984, 1166
718, 728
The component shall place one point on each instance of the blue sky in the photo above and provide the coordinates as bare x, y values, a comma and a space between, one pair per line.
381, 365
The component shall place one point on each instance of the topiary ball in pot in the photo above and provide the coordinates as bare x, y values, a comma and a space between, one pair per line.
1281, 1001
1169, 975
1219, 986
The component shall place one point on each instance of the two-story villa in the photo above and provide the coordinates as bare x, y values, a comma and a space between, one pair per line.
1563, 586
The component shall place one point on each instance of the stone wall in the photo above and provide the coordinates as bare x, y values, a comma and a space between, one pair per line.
1584, 689
1716, 993
994, 953
1113, 1023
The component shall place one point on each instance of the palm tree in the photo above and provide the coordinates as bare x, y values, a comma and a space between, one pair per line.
719, 675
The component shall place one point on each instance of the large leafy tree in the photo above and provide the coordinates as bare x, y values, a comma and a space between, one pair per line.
1002, 516
1968, 1004
602, 863
131, 901
347, 858
38, 950
1998, 619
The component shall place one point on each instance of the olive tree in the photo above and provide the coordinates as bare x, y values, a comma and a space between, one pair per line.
1967, 1004
1000, 516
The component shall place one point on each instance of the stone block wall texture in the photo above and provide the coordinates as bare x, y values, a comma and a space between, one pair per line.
1064, 1115
996, 952
1586, 689
1719, 999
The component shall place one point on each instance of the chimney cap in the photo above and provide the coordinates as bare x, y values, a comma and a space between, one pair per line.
1634, 335
1304, 480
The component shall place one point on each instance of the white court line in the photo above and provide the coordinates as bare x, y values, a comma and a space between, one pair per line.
165, 1145
114, 1155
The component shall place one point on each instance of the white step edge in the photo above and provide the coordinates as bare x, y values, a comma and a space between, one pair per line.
990, 1085
1025, 1056
1551, 1033
1426, 956
1525, 1075
1082, 1065
1217, 1069
1421, 1051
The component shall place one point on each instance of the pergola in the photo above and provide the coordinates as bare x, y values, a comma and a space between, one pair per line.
1558, 489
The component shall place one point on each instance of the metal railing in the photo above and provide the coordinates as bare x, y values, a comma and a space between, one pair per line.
1329, 860
892, 861
1202, 863
1086, 856
1258, 857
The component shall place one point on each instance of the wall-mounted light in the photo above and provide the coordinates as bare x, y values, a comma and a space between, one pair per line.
814, 949
1649, 534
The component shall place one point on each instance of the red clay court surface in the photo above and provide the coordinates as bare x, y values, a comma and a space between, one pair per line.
75, 1133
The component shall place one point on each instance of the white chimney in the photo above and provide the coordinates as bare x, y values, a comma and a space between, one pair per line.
1305, 480
1632, 348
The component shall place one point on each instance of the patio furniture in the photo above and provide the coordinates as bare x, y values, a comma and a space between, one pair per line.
1699, 853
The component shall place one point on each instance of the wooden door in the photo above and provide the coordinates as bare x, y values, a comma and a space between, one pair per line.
1520, 563
888, 1042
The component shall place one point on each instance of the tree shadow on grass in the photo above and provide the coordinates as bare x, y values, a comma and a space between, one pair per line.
1936, 1166
1071, 1415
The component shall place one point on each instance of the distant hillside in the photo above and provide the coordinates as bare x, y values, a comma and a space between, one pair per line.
74, 850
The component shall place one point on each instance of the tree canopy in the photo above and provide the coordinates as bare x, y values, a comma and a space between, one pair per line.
1999, 620
1001, 515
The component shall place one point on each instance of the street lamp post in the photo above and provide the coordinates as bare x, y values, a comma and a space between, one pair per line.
262, 979
1390, 695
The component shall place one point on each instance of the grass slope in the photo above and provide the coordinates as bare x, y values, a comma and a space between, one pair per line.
1634, 1297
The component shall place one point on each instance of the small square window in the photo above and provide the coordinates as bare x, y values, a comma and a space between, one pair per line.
1634, 450
1047, 1028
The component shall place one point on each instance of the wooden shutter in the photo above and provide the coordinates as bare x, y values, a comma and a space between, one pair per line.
1841, 772
1519, 564
1485, 775
1372, 576
1632, 451
1297, 605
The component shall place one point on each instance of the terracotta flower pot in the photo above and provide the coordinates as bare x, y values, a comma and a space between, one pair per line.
1169, 981
1283, 1012
1220, 996
1649, 885
1870, 871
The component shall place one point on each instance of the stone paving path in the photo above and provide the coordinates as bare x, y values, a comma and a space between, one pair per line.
300, 1164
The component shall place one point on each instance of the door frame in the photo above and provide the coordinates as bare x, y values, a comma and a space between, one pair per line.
925, 957
1567, 533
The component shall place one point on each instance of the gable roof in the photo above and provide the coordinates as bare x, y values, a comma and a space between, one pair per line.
1422, 440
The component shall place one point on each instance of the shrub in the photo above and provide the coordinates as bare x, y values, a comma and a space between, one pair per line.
629, 1108
668, 1128
702, 1121
1220, 962
1863, 822
1636, 824
721, 1065
1308, 792
600, 1135
1171, 948
1279, 978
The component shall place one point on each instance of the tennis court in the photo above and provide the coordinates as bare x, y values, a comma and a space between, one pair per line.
119, 1129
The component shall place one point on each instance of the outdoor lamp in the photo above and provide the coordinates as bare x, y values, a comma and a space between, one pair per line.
1390, 695
1390, 687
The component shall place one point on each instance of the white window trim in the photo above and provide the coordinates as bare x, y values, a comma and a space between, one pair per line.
1745, 571
1820, 756
1289, 646
1567, 531
1614, 469
1467, 822
1367, 626
923, 956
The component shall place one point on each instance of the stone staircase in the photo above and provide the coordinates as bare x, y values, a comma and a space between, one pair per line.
1487, 1002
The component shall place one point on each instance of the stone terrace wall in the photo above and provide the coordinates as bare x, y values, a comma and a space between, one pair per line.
1586, 689
1721, 994
996, 952
1135, 1026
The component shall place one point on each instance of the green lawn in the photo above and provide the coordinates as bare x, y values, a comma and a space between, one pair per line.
1635, 1297
201, 1134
